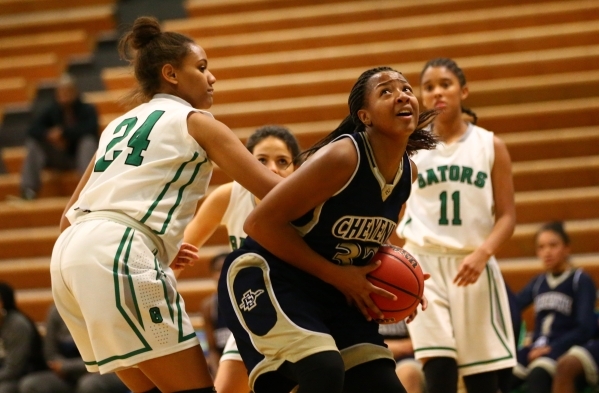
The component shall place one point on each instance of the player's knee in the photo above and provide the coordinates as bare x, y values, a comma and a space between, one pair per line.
411, 378
568, 366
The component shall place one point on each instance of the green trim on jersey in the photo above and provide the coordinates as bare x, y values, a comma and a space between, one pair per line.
429, 348
160, 276
492, 292
180, 322
127, 238
180, 195
165, 189
130, 280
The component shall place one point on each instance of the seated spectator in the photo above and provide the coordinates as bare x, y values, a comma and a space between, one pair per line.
67, 372
20, 343
564, 301
408, 370
64, 136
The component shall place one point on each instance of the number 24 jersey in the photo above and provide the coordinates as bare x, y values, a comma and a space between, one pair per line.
149, 167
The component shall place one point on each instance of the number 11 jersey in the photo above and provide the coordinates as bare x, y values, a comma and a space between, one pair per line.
452, 202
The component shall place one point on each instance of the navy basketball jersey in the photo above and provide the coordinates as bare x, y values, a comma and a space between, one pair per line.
564, 308
349, 227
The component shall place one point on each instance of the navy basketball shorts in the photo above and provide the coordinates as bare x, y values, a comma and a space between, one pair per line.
279, 313
548, 362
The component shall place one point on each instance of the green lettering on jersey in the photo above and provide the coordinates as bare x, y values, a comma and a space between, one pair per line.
481, 178
104, 162
466, 175
455, 197
421, 181
234, 243
454, 173
431, 177
138, 143
442, 170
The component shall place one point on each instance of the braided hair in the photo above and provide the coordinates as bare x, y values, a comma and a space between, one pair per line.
419, 139
453, 67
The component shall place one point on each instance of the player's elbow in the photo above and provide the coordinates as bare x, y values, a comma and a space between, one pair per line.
508, 220
512, 223
250, 226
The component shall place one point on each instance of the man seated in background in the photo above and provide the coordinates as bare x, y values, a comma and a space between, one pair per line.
63, 136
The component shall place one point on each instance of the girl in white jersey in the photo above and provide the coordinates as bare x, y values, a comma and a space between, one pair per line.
229, 205
123, 227
456, 219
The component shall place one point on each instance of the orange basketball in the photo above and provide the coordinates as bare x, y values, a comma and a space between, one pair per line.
400, 274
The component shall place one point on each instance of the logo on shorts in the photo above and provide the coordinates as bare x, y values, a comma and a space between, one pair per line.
248, 301
155, 315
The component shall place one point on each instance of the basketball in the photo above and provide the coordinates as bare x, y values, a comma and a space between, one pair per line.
400, 274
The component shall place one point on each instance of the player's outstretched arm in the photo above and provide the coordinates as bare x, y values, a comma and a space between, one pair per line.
208, 216
226, 150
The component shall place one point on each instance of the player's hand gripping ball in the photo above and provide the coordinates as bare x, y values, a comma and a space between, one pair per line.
400, 274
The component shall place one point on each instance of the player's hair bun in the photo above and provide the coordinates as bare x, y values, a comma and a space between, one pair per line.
144, 30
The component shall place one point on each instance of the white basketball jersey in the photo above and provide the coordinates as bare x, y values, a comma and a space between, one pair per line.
242, 202
452, 203
149, 167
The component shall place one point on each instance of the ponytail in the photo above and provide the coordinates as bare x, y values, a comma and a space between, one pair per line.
346, 127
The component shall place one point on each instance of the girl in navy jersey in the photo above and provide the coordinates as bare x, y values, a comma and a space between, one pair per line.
295, 295
123, 227
564, 303
461, 211
230, 204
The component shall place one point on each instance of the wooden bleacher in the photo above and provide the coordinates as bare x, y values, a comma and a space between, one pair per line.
61, 43
91, 18
531, 67
12, 89
12, 7
37, 37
